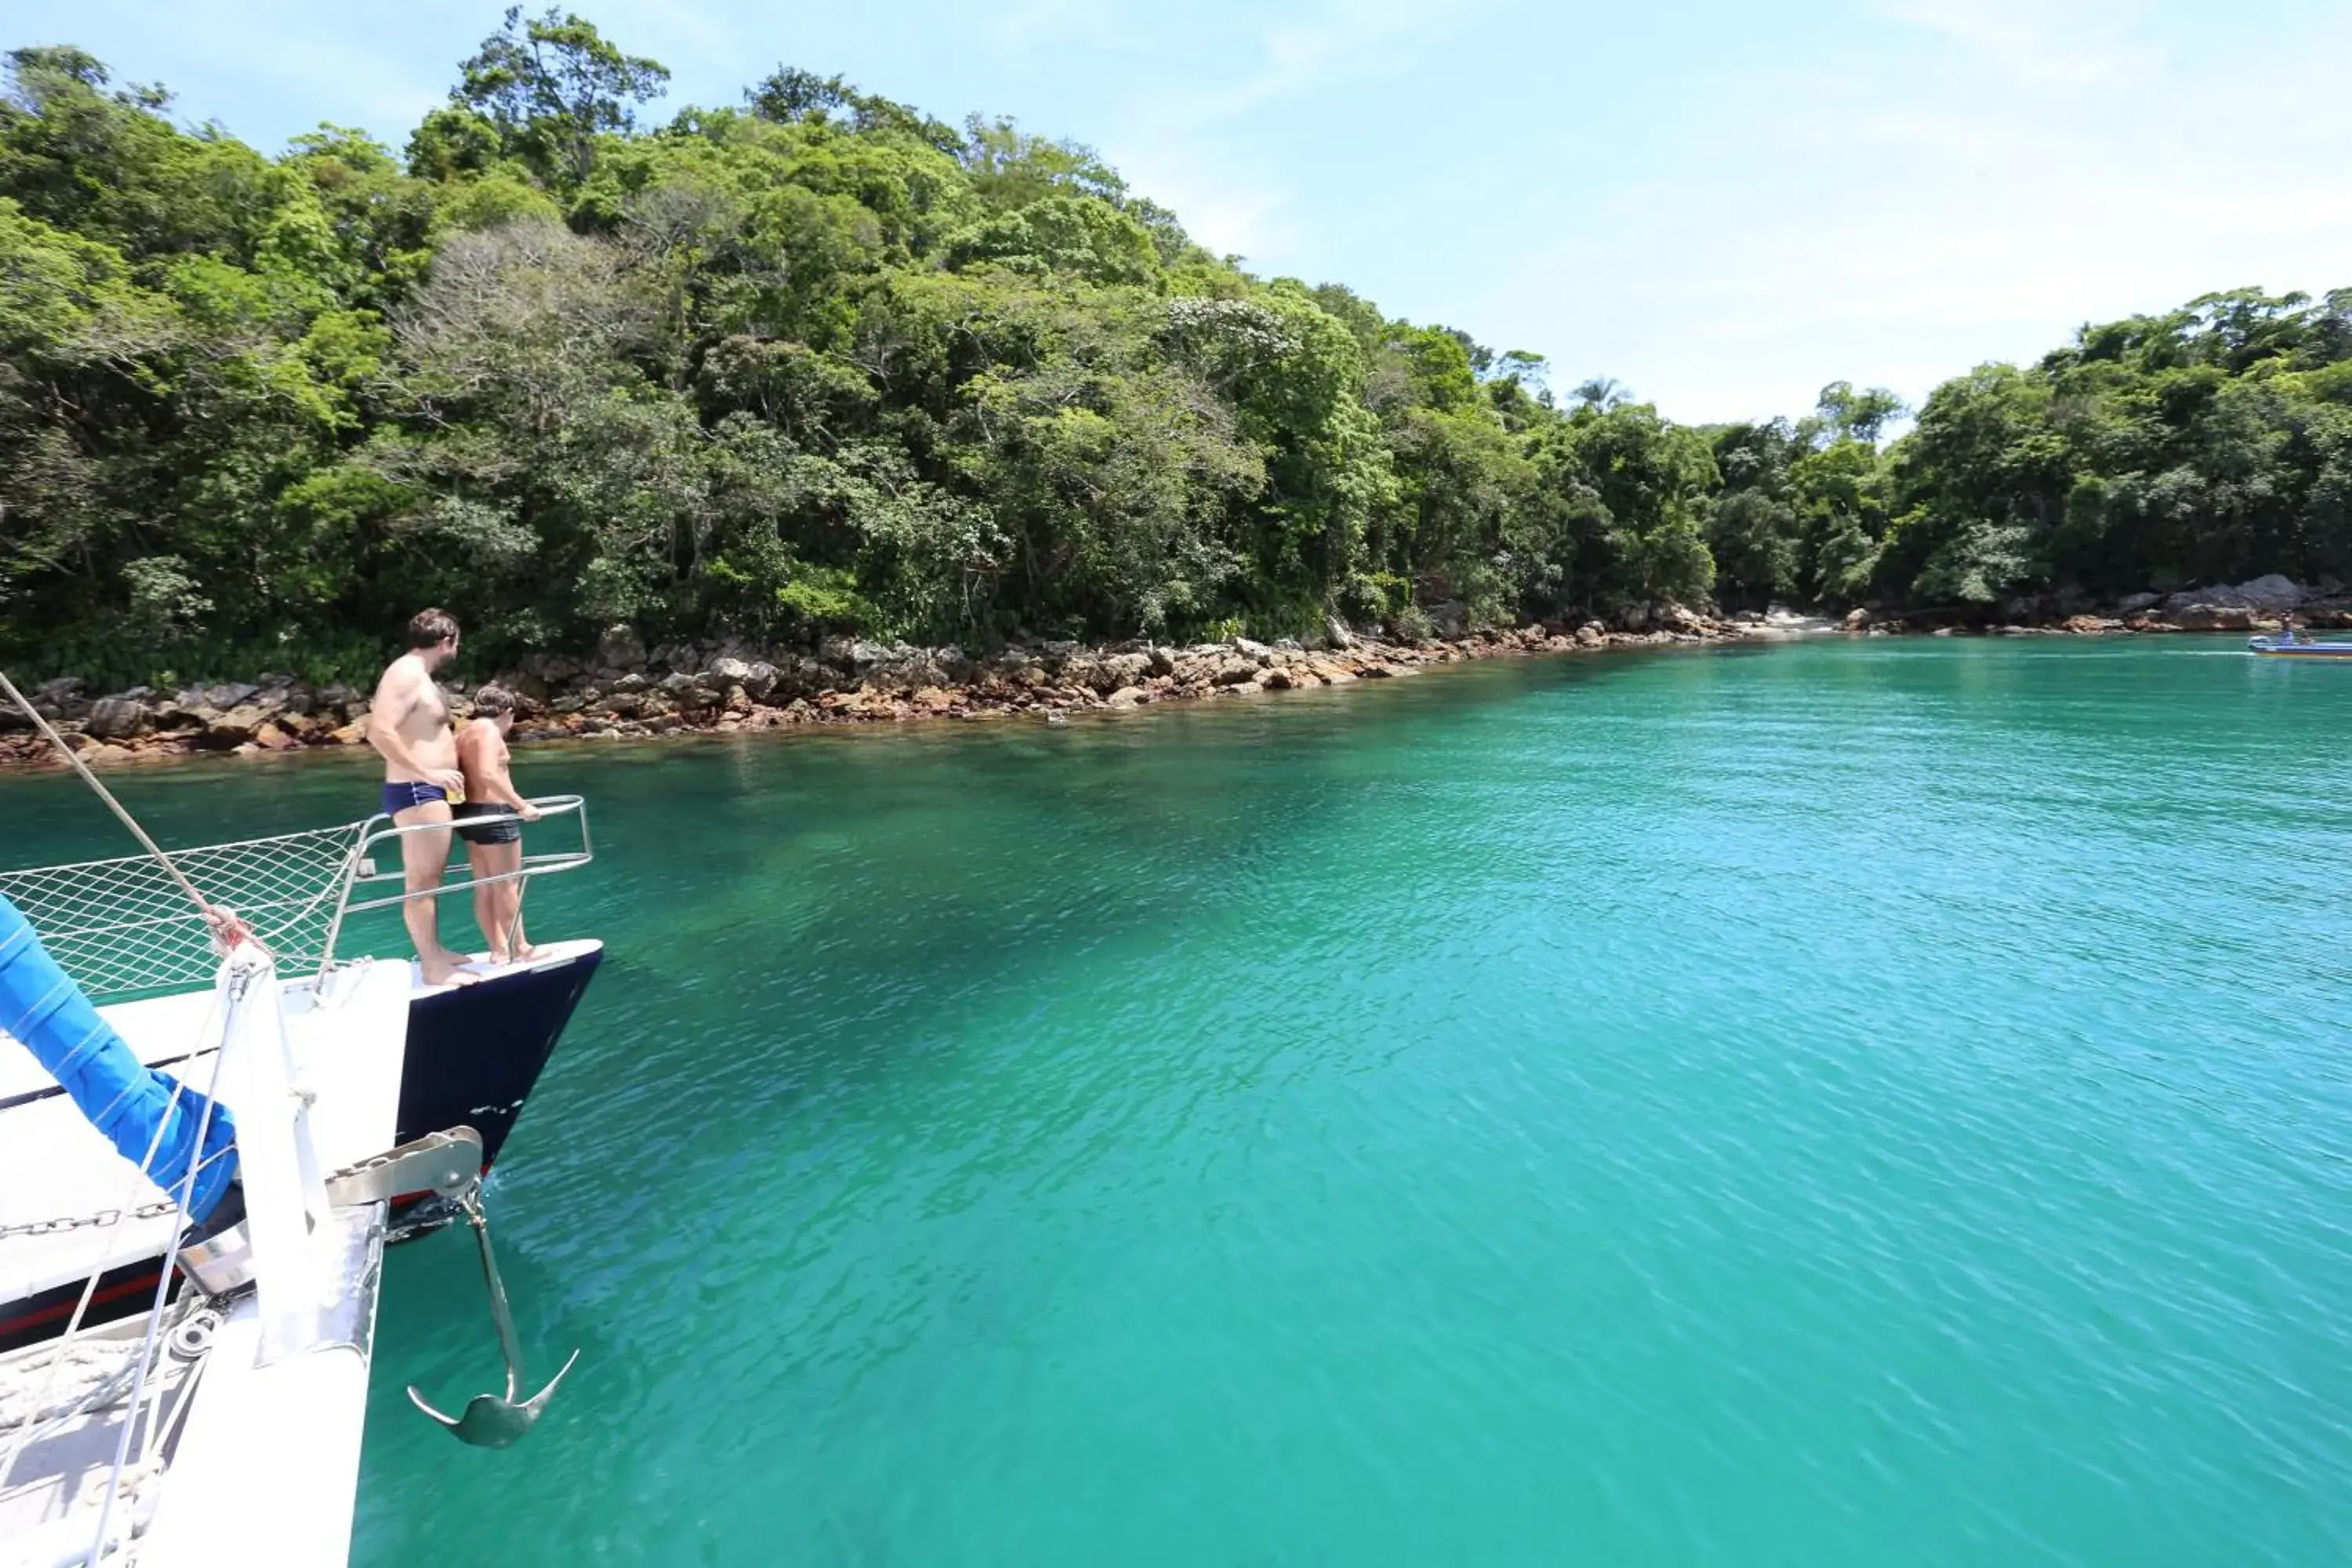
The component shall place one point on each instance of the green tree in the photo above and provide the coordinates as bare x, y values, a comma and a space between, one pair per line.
552, 85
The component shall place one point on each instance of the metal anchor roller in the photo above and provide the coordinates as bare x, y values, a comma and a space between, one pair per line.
448, 1165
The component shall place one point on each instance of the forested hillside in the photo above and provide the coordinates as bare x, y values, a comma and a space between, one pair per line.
820, 363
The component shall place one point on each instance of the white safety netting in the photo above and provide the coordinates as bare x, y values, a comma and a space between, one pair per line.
124, 926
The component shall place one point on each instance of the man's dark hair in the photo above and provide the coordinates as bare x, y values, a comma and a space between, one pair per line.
430, 628
492, 700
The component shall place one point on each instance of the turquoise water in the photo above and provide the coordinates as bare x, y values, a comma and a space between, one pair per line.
1839, 1104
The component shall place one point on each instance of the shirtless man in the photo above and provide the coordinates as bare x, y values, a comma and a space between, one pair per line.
494, 848
409, 725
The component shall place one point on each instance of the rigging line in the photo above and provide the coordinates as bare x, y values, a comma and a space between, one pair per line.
105, 1241
105, 795
240, 995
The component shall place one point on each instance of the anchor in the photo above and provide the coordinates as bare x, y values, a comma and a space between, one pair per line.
489, 1421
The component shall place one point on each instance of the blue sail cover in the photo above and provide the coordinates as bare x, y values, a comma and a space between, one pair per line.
126, 1100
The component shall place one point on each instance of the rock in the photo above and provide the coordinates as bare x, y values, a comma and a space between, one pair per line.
2272, 592
677, 685
1857, 619
2214, 618
1336, 630
112, 718
2133, 604
109, 756
620, 648
1591, 635
284, 699
1234, 670
1127, 697
1277, 680
1251, 650
1673, 617
234, 727
2082, 625
1161, 661
757, 677
622, 704
1121, 669
629, 684
349, 735
228, 695
270, 737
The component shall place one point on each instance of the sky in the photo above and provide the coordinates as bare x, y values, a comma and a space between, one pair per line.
1723, 206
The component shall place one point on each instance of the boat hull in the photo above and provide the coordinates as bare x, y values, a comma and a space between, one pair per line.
475, 1052
2324, 652
472, 1056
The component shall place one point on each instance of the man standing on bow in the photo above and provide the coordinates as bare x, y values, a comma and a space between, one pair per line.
409, 725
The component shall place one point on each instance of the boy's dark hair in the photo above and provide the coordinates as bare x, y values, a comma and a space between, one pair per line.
492, 700
429, 628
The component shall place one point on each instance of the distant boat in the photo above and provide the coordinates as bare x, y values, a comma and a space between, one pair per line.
2292, 646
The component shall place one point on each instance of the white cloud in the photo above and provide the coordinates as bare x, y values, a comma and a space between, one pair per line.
1899, 228
2043, 41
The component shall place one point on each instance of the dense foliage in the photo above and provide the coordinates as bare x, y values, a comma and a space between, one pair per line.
822, 363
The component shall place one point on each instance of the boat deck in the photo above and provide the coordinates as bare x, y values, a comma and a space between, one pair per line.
347, 1045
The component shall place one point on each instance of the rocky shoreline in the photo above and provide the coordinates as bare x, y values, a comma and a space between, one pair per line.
627, 689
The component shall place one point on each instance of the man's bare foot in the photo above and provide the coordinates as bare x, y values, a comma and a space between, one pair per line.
441, 969
526, 953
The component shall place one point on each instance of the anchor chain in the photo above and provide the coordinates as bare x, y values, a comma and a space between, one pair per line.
66, 1223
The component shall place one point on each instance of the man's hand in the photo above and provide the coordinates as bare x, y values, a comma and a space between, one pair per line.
528, 812
451, 781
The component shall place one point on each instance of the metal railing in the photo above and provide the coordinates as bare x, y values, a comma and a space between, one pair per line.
365, 871
123, 927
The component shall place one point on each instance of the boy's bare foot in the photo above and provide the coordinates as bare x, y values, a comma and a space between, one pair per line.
441, 969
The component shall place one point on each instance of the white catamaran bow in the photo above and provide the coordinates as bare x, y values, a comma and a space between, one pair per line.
195, 1187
